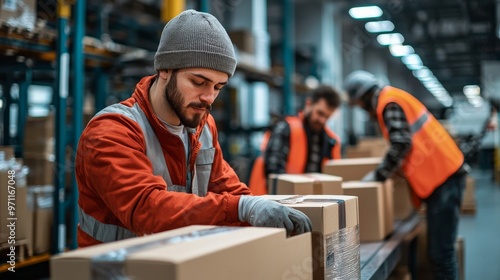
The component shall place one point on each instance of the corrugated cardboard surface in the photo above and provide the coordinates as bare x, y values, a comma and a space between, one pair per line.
40, 200
246, 253
469, 199
402, 199
352, 168
324, 216
372, 224
388, 189
326, 184
23, 224
8, 150
304, 184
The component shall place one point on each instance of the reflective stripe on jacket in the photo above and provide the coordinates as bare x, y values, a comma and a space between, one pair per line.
297, 157
132, 175
434, 155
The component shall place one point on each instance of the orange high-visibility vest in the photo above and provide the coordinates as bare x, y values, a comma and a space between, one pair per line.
434, 155
297, 157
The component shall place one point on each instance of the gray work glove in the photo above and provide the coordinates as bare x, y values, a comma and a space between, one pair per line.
261, 212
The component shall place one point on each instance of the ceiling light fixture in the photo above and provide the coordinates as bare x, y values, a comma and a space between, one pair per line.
422, 73
365, 12
412, 59
390, 39
400, 50
379, 26
472, 90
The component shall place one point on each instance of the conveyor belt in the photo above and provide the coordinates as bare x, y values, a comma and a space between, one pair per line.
378, 259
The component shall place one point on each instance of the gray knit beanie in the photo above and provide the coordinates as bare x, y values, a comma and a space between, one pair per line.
195, 40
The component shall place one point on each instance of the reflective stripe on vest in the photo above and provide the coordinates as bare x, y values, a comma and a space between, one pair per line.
108, 232
419, 123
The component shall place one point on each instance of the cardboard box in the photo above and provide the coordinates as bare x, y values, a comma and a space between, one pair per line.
378, 146
243, 40
356, 152
38, 132
194, 252
351, 169
403, 206
18, 13
335, 235
388, 191
469, 198
41, 202
23, 223
375, 215
41, 169
308, 183
8, 151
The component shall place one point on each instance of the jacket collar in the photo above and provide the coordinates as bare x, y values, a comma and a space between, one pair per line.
141, 95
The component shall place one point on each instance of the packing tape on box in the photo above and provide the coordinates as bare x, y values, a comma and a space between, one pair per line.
111, 265
342, 249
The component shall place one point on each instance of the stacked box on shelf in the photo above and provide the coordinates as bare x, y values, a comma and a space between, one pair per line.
40, 201
18, 13
39, 150
335, 233
469, 198
19, 219
8, 151
308, 183
194, 252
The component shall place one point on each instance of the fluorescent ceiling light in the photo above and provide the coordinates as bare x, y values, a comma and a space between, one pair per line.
447, 103
427, 78
365, 12
379, 26
412, 59
390, 39
439, 93
400, 50
476, 102
414, 66
472, 90
424, 72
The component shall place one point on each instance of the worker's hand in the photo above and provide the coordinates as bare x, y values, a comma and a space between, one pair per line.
370, 177
261, 212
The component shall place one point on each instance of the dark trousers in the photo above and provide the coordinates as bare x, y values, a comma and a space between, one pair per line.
443, 214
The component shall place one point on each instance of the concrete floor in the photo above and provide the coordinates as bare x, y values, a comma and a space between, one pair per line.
481, 231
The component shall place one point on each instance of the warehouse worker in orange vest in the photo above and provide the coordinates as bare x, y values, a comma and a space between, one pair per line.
153, 162
299, 144
423, 151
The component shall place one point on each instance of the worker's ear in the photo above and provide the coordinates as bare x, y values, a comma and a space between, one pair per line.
164, 74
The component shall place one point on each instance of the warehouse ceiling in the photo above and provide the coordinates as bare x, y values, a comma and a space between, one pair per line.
452, 37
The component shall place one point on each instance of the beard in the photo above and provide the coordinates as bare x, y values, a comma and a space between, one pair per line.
176, 100
315, 126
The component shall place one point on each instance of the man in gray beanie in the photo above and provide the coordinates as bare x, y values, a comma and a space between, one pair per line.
153, 162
